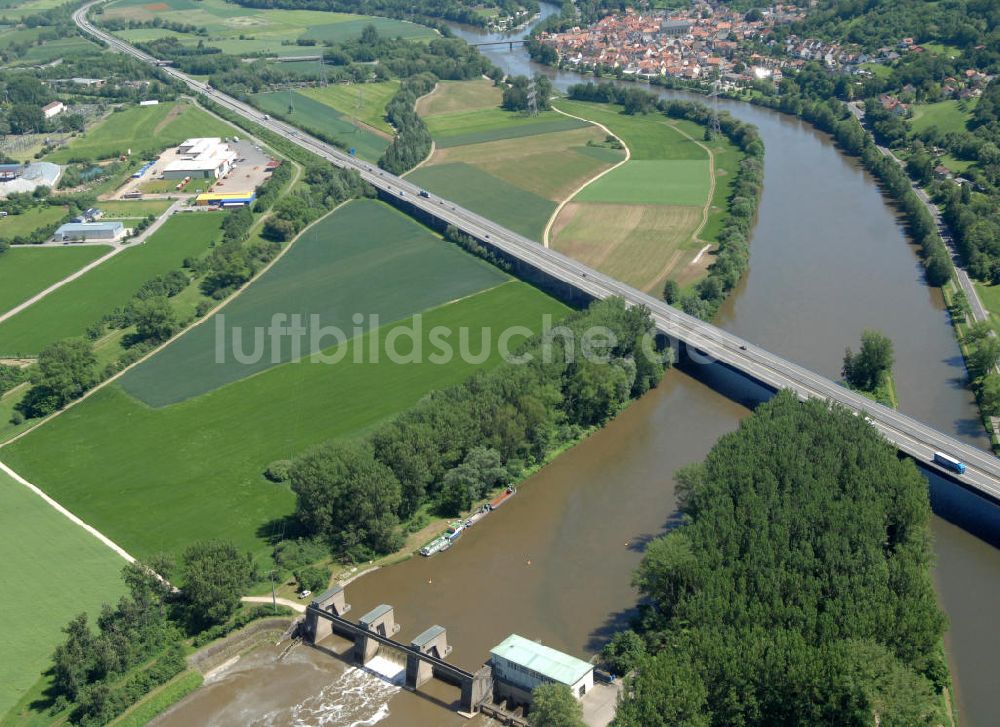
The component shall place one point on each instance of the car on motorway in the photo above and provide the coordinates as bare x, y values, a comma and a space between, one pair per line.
423, 193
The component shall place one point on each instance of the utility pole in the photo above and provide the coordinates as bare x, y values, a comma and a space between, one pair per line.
532, 98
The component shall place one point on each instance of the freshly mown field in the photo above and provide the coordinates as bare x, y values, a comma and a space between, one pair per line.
262, 30
945, 116
490, 196
70, 310
158, 479
51, 570
26, 271
628, 242
366, 258
319, 118
146, 130
459, 96
30, 220
362, 101
649, 218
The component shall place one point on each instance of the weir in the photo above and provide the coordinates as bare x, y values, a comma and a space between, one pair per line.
424, 655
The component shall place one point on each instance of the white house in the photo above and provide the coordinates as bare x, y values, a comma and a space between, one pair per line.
53, 109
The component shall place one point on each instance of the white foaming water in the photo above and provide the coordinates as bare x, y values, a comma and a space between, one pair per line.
358, 698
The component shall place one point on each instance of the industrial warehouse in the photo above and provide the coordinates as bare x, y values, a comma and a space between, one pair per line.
89, 232
201, 158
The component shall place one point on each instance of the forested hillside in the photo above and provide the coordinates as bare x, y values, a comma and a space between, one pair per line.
965, 24
798, 591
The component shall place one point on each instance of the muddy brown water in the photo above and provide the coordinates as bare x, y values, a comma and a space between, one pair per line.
828, 259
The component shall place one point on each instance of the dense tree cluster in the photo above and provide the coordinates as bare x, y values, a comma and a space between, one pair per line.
412, 142
733, 254
65, 371
89, 669
553, 705
459, 442
325, 187
867, 369
798, 591
138, 644
518, 90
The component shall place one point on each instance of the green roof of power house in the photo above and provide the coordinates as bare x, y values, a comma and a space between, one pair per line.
544, 660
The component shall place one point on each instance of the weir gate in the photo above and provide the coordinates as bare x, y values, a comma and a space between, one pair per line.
424, 655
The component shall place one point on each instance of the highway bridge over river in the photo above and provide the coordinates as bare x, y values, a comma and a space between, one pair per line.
982, 474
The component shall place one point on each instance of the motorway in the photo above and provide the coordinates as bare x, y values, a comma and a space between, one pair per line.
910, 436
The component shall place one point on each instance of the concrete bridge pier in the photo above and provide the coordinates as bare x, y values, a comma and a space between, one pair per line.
333, 601
380, 620
434, 642
476, 690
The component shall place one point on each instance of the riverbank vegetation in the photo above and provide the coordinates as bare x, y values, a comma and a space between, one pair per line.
459, 443
870, 369
797, 590
141, 642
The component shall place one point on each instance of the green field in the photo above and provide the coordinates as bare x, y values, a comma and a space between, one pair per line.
61, 48
647, 181
649, 136
945, 116
70, 310
146, 130
263, 30
134, 207
329, 273
25, 271
488, 195
30, 220
482, 125
157, 479
321, 119
51, 570
362, 101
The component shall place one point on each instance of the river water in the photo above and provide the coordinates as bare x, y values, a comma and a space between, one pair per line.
828, 258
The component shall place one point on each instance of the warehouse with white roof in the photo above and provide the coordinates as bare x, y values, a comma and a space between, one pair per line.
519, 665
201, 158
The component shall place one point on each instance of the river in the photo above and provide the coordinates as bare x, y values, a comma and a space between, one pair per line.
828, 259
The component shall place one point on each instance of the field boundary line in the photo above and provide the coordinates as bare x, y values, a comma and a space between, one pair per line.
628, 155
115, 249
433, 143
704, 213
711, 183
87, 394
69, 515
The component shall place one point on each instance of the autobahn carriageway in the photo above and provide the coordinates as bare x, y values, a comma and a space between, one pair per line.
982, 474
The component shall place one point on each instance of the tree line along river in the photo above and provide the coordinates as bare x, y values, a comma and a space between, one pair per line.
829, 258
